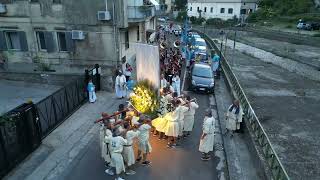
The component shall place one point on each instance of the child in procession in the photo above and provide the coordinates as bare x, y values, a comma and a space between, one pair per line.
144, 144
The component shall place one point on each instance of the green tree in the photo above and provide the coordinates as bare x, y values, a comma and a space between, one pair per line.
180, 4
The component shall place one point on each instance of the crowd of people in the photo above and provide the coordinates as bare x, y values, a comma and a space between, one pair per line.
119, 134
127, 128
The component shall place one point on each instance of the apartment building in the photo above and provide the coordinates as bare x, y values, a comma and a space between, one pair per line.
69, 35
223, 9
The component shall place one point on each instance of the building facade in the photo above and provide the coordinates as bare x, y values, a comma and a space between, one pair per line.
70, 35
223, 9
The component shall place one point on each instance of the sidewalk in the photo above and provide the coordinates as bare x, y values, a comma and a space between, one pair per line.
240, 154
61, 147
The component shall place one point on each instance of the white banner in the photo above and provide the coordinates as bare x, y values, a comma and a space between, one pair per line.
147, 63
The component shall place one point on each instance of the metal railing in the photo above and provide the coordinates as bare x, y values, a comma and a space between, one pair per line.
57, 107
251, 119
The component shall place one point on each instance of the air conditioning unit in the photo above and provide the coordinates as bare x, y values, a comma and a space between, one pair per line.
104, 15
78, 35
3, 9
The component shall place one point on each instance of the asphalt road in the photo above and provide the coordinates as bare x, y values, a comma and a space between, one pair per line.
181, 163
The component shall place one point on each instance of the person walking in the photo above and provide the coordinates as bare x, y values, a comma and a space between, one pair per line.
128, 153
144, 144
91, 89
215, 63
207, 137
127, 71
189, 116
233, 117
120, 86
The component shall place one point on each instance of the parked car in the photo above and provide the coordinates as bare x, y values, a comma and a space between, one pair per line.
202, 78
304, 26
162, 19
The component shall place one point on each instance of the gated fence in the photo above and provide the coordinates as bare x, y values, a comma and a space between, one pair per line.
23, 128
251, 119
19, 136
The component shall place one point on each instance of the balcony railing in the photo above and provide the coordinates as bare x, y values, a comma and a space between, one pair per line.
140, 13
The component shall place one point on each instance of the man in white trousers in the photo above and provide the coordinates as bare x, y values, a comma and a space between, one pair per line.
116, 147
207, 137
189, 116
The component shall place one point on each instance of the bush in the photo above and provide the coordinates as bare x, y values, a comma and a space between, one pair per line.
196, 20
289, 26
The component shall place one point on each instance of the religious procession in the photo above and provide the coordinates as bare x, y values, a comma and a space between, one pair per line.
167, 113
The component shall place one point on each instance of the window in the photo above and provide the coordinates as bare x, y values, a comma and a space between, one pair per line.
34, 1
41, 40
13, 40
211, 9
243, 11
62, 41
198, 9
205, 9
191, 8
126, 39
222, 10
56, 1
230, 11
138, 34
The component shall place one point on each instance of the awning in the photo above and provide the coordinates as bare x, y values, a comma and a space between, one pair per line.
156, 4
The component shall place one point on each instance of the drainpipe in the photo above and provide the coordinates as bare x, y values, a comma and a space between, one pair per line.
115, 32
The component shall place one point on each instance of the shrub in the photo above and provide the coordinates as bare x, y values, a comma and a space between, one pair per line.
316, 35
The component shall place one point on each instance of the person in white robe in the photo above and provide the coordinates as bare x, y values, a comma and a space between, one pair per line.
104, 131
116, 147
172, 129
207, 137
120, 86
91, 90
128, 152
144, 146
176, 82
163, 82
189, 116
233, 117
160, 122
106, 146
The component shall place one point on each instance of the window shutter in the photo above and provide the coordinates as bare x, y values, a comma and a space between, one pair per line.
50, 43
3, 44
23, 41
69, 42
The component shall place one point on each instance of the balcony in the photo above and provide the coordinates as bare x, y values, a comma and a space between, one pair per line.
162, 10
140, 13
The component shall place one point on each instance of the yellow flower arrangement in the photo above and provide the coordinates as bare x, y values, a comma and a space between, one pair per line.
144, 97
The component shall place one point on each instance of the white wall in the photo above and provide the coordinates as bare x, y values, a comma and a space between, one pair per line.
216, 9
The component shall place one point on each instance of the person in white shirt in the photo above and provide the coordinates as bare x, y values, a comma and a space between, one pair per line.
189, 116
128, 153
207, 137
172, 129
176, 83
144, 144
116, 147
105, 151
120, 86
233, 117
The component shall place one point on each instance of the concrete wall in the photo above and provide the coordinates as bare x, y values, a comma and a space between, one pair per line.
70, 15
